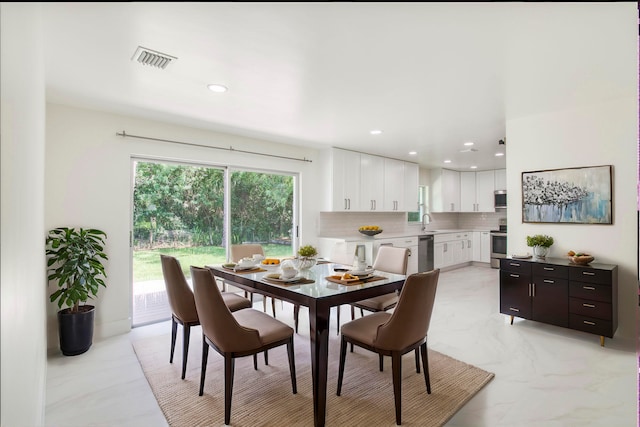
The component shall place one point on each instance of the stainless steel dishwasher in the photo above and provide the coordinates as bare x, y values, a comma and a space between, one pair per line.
425, 253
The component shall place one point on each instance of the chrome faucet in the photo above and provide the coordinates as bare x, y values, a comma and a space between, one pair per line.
426, 219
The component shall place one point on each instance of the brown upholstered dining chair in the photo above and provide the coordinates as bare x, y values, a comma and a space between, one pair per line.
183, 306
241, 333
247, 250
398, 333
389, 259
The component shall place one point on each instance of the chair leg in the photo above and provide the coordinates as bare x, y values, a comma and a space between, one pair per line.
425, 366
203, 367
396, 366
381, 363
266, 357
337, 320
361, 313
417, 360
343, 356
186, 333
292, 366
255, 361
273, 307
264, 303
229, 365
353, 313
296, 314
174, 332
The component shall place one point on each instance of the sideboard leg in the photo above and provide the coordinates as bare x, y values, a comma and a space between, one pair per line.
511, 320
602, 340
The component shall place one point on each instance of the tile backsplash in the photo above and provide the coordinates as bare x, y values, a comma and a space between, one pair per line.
339, 224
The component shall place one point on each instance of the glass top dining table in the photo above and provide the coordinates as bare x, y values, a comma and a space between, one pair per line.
319, 296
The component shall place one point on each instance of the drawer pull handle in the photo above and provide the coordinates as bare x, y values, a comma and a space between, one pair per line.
586, 322
589, 288
514, 309
514, 275
588, 273
514, 264
549, 268
588, 305
549, 281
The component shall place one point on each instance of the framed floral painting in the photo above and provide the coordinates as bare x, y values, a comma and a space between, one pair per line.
581, 195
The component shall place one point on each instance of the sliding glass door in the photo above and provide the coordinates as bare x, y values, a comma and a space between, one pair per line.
179, 210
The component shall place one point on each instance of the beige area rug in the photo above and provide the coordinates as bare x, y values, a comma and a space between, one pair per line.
264, 398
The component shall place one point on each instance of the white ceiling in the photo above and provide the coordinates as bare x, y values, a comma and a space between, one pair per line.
430, 75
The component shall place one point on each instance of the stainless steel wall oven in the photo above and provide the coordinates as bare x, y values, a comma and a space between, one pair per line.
498, 244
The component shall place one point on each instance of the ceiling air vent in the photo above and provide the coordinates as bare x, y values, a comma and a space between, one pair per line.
152, 58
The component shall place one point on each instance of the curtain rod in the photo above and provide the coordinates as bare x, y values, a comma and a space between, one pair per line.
127, 135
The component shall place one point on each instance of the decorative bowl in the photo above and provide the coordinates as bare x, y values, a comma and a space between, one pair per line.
304, 263
370, 232
581, 260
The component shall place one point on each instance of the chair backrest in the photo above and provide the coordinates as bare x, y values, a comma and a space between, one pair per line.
179, 293
218, 324
410, 320
245, 250
340, 255
392, 259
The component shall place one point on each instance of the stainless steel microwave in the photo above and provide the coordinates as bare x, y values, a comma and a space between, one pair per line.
500, 199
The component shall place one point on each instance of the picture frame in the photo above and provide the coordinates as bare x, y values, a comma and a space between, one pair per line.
579, 195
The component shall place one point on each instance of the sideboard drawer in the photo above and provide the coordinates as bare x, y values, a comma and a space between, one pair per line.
591, 325
590, 308
548, 270
590, 291
515, 266
590, 275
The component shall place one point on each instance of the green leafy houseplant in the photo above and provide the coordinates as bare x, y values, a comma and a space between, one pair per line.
75, 263
540, 240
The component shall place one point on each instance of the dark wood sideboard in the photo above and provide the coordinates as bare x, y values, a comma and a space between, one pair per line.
559, 292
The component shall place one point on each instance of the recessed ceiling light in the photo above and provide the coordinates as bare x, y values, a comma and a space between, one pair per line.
375, 132
468, 143
447, 161
473, 167
413, 153
217, 88
499, 154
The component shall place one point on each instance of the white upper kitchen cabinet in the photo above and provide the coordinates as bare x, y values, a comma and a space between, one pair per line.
371, 182
400, 186
393, 185
410, 187
343, 180
476, 191
500, 179
445, 190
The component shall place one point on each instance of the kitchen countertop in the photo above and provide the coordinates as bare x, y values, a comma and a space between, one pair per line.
396, 235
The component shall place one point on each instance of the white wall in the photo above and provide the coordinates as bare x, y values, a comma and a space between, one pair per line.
23, 283
593, 135
88, 184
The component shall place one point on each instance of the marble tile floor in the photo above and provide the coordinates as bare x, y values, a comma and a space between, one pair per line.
544, 375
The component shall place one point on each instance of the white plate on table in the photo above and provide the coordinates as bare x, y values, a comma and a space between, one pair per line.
277, 278
361, 273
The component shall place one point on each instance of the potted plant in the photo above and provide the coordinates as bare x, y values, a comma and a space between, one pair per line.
306, 257
75, 264
540, 244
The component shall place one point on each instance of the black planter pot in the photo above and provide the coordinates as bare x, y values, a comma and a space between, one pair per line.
76, 330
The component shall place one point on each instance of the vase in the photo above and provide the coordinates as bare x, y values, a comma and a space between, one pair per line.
540, 251
305, 263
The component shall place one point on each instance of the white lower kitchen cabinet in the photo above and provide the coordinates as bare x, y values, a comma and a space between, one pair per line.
450, 249
481, 247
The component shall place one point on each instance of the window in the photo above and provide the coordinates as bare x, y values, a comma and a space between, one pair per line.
179, 210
